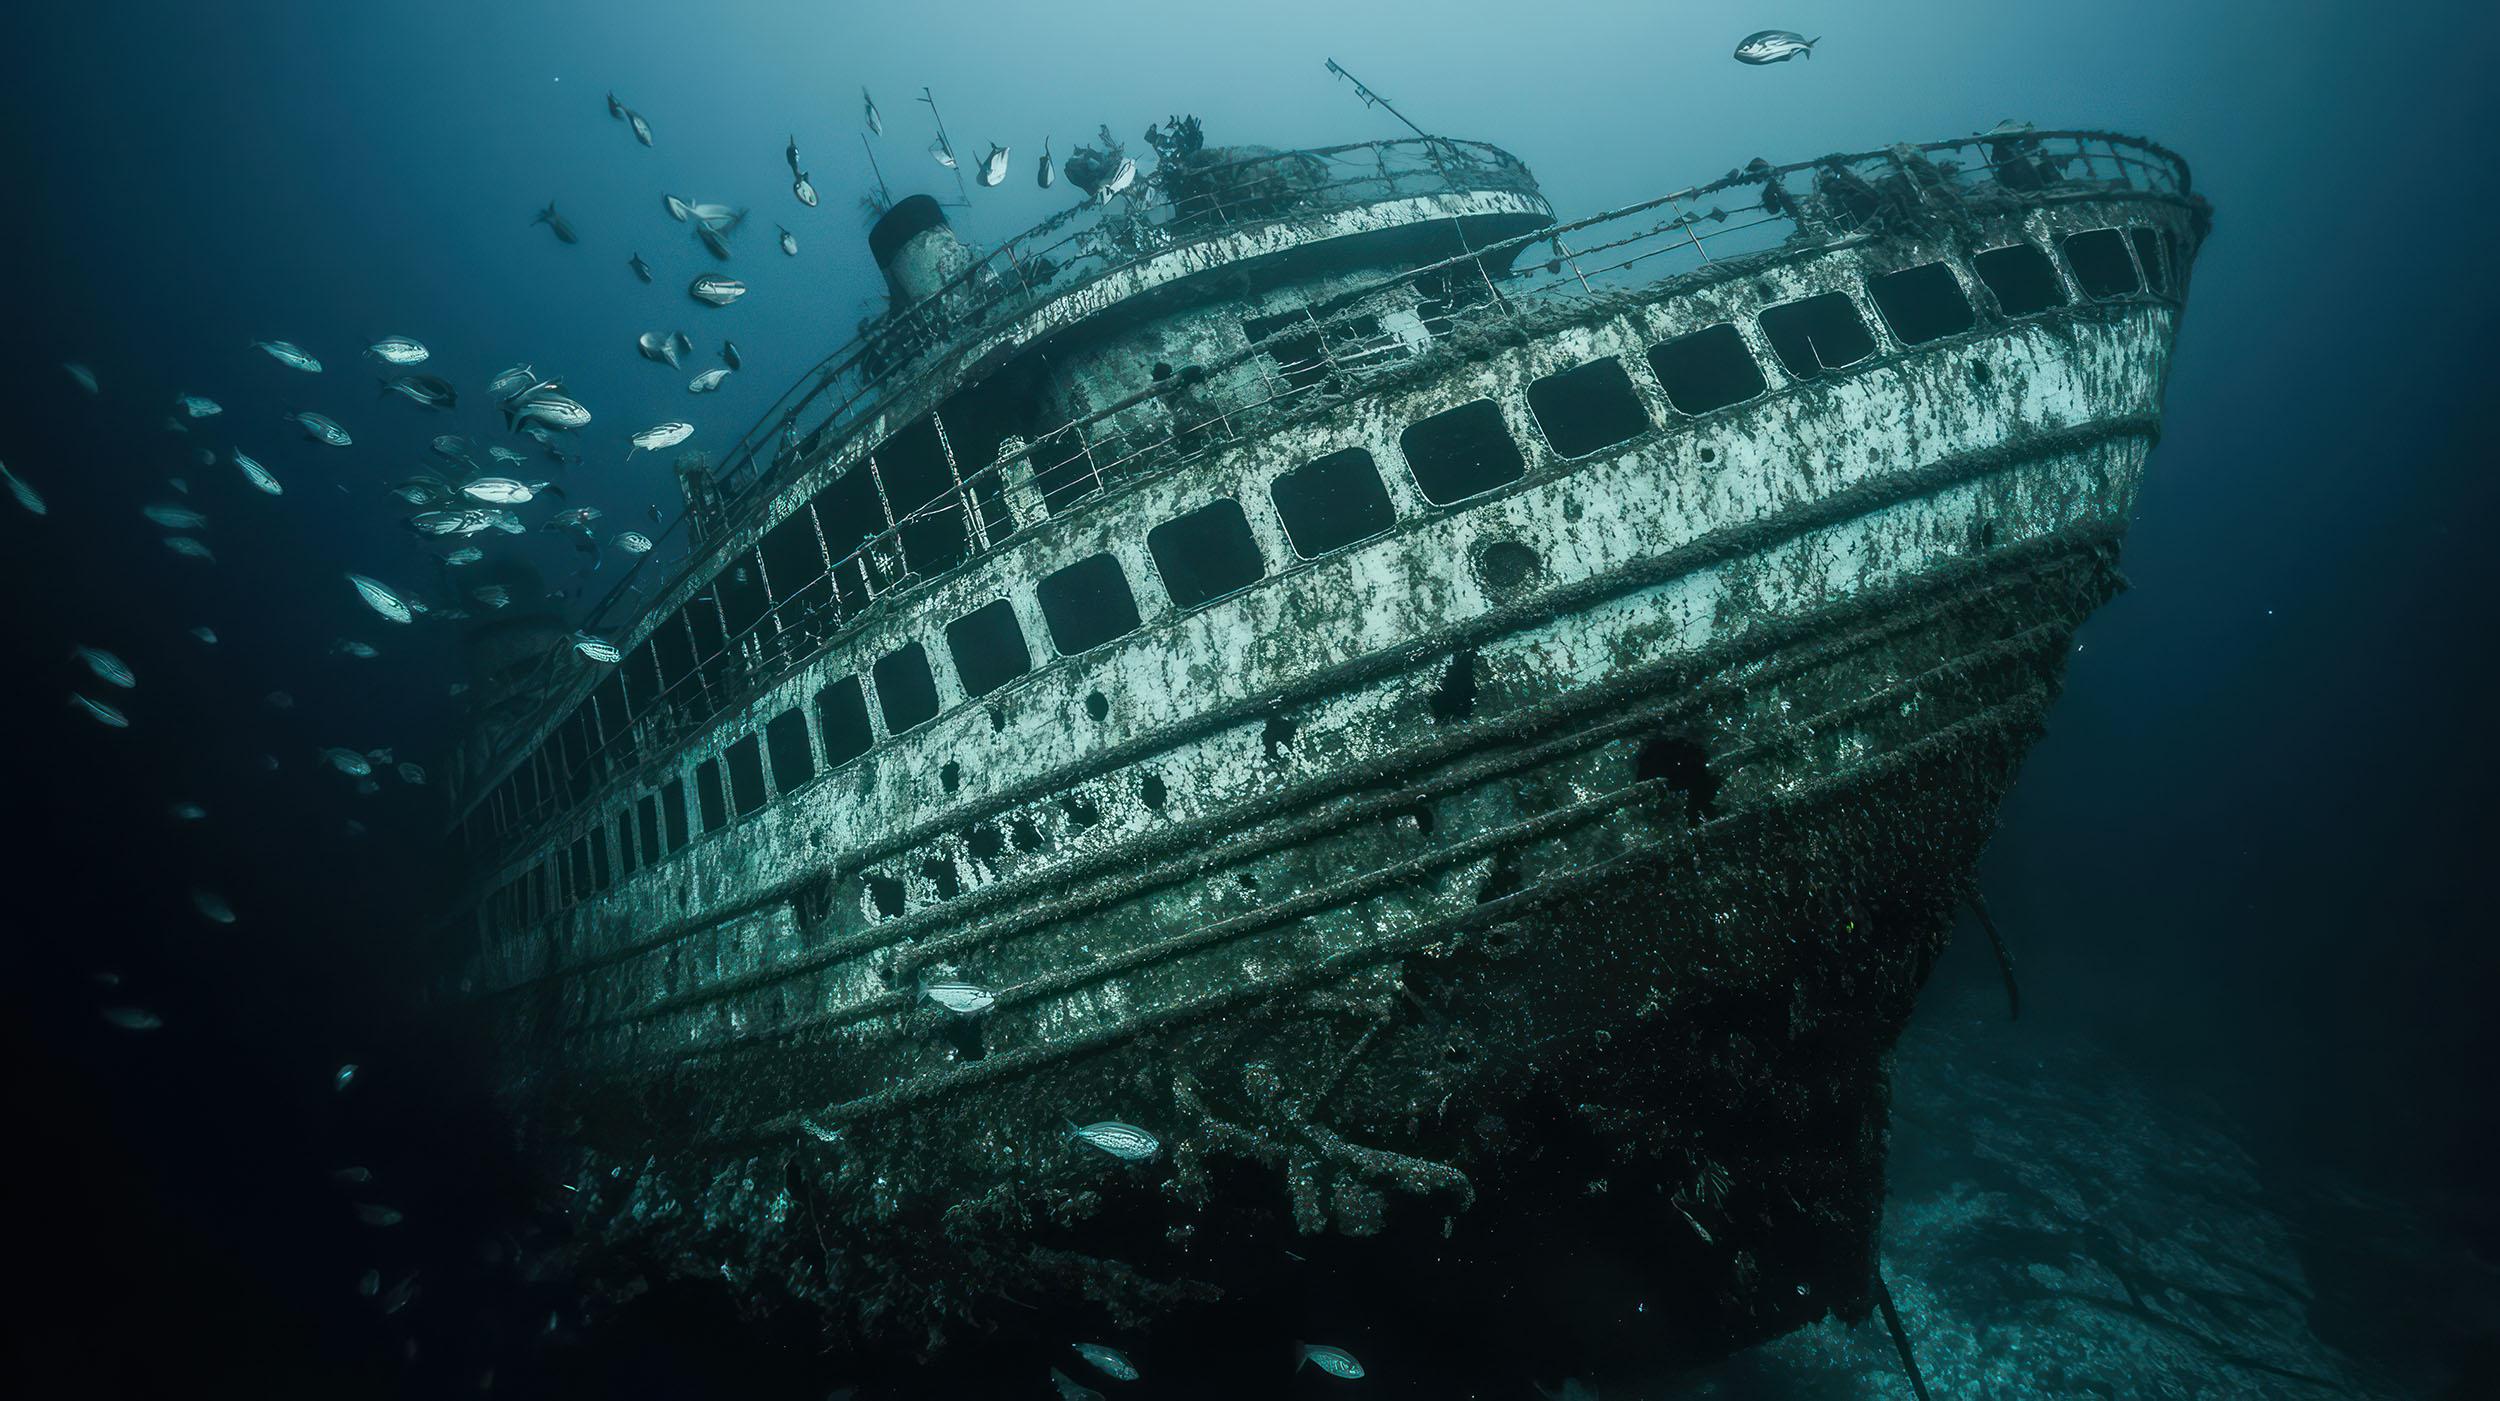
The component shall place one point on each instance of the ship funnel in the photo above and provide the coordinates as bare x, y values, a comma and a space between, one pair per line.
916, 250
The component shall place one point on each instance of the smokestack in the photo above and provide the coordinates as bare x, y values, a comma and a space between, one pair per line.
916, 250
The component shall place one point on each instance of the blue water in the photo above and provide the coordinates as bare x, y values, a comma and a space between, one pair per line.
2246, 867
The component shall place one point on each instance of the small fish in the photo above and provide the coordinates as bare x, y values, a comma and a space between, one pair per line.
211, 905
662, 435
1047, 175
373, 1215
729, 355
655, 346
347, 761
493, 595
381, 599
198, 407
350, 647
715, 289
189, 548
684, 342
805, 189
398, 350
876, 123
173, 516
504, 455
256, 474
790, 153
616, 109
291, 355
678, 209
789, 243
320, 428
520, 379
269, 762
717, 216
501, 491
963, 999
597, 649
1335, 1361
579, 518
404, 1292
174, 425
279, 700
633, 542
466, 554
939, 153
133, 1018
366, 788
84, 376
563, 229
992, 171
425, 391
187, 812
105, 715
706, 382
179, 484
1071, 1389
1127, 1142
206, 635
1109, 1359
412, 775
380, 756
713, 241
547, 407
641, 268
1121, 178
457, 688
346, 1076
642, 133
26, 495
107, 667
352, 1174
369, 1283
1774, 46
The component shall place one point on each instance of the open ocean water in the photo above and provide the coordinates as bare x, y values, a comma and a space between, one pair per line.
2241, 1142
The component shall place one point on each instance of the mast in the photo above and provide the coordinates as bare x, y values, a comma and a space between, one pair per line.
1373, 99
963, 196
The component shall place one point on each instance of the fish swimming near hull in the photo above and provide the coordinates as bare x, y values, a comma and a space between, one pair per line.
1127, 1142
552, 409
561, 226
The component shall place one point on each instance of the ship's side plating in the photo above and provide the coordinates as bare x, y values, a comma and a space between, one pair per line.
1586, 811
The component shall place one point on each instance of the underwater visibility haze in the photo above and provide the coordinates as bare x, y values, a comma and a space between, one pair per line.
1168, 699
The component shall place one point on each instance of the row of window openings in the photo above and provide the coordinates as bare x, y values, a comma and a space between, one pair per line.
1339, 499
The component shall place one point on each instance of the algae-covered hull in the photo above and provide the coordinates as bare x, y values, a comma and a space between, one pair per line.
1479, 768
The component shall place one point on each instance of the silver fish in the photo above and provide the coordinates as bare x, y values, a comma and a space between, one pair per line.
563, 230
346, 1076
655, 346
963, 999
547, 407
373, 1215
805, 189
291, 355
520, 379
658, 436
84, 376
174, 425
597, 649
133, 1018
26, 495
1127, 1142
105, 715
678, 209
1070, 1389
426, 391
173, 517
641, 268
939, 153
729, 355
633, 542
1047, 175
876, 123
715, 289
501, 491
347, 761
707, 381
1774, 46
492, 595
350, 647
320, 428
211, 905
719, 217
992, 171
412, 775
256, 474
642, 129
1109, 1359
1121, 178
505, 455
713, 241
198, 407
107, 667
506, 522
451, 445
189, 548
466, 554
684, 342
789, 244
381, 598
206, 635
398, 350
1335, 1361
187, 812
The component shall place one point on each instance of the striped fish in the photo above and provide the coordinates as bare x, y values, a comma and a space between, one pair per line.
412, 775
198, 406
466, 554
106, 666
378, 596
633, 542
1127, 1142
257, 475
347, 761
105, 715
320, 428
398, 350
1109, 1359
598, 649
1774, 46
291, 355
1335, 1361
963, 999
501, 491
660, 435
26, 495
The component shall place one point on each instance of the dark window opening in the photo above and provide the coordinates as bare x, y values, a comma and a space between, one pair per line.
1817, 333
673, 647
1923, 303
1276, 734
1330, 503
709, 797
625, 844
985, 843
988, 648
921, 489
1152, 789
942, 874
906, 692
1097, 706
2102, 267
1087, 604
581, 869
1685, 768
1024, 834
794, 759
616, 729
673, 808
649, 813
951, 777
848, 512
842, 713
599, 873
1462, 452
746, 776
740, 589
2021, 278
1309, 352
1080, 810
793, 563
1587, 408
887, 894
1206, 554
1063, 468
2148, 254
642, 679
1455, 697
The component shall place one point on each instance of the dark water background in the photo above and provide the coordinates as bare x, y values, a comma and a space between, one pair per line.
2250, 868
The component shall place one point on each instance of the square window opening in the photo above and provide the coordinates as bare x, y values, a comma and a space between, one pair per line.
1206, 554
1587, 408
746, 776
1816, 334
1923, 303
988, 648
785, 743
2021, 278
2102, 266
906, 692
709, 795
1087, 604
2148, 255
1332, 502
842, 713
1461, 452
